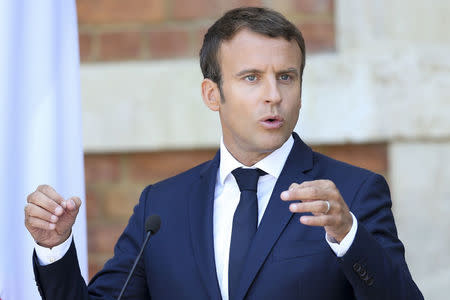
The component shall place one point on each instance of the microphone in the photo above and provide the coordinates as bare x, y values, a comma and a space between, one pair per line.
152, 225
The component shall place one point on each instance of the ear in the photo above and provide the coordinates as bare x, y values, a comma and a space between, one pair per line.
211, 94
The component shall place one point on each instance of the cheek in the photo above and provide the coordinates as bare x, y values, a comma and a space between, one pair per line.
291, 92
237, 114
293, 110
299, 105
242, 108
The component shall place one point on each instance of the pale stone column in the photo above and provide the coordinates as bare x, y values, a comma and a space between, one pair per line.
420, 180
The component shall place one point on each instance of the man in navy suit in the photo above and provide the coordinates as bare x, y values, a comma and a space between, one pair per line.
320, 229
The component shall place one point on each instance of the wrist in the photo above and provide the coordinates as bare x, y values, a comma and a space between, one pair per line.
53, 242
339, 235
46, 256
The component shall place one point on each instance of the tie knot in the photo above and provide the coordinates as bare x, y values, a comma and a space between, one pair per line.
247, 179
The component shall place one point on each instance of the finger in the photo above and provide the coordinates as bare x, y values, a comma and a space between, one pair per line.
37, 223
285, 195
315, 207
45, 202
320, 182
308, 193
51, 193
293, 186
321, 220
32, 210
73, 204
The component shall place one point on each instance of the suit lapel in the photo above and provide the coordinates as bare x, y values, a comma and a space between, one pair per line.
277, 214
201, 201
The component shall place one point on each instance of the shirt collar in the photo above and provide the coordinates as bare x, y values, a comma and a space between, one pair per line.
271, 164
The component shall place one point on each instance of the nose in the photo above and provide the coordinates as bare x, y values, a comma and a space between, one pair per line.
272, 91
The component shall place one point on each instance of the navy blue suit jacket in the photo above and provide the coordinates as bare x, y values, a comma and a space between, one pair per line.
287, 260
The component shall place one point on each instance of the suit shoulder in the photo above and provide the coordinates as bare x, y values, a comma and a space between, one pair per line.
173, 190
184, 177
333, 167
349, 179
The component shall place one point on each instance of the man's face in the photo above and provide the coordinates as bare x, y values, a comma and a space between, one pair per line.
262, 91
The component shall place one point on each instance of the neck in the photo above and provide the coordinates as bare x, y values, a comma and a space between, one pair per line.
247, 158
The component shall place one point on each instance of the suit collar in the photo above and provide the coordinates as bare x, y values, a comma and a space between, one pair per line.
201, 201
301, 156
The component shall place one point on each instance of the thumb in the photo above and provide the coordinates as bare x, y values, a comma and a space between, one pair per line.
66, 221
72, 206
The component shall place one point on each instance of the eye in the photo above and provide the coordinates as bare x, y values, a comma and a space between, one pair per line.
251, 77
285, 77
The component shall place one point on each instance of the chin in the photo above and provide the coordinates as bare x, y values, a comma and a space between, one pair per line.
273, 143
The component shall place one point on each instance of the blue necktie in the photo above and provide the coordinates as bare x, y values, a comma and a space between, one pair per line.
245, 222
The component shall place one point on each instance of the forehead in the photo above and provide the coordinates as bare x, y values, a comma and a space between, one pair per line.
248, 49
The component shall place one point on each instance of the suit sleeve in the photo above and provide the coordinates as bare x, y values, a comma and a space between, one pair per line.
63, 280
375, 263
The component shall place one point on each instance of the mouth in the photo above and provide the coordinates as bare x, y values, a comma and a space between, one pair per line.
272, 121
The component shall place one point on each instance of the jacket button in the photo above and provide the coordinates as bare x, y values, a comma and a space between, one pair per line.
365, 278
356, 267
362, 273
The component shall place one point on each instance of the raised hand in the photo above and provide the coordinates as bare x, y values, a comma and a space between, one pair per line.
48, 217
324, 201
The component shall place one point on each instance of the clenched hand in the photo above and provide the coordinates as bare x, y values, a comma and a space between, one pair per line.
48, 217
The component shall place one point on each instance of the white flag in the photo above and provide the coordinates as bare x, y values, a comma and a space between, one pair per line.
40, 128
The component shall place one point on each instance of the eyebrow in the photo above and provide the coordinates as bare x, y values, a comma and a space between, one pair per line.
290, 70
249, 71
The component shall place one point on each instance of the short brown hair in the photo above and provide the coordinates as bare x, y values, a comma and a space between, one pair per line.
257, 19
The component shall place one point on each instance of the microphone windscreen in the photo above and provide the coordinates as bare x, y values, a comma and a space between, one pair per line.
153, 223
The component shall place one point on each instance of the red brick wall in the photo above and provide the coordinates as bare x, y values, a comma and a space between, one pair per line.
113, 30
115, 181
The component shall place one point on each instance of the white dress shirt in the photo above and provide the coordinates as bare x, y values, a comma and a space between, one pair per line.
226, 200
47, 256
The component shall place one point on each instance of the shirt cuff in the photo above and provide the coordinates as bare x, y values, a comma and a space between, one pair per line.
341, 248
47, 256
